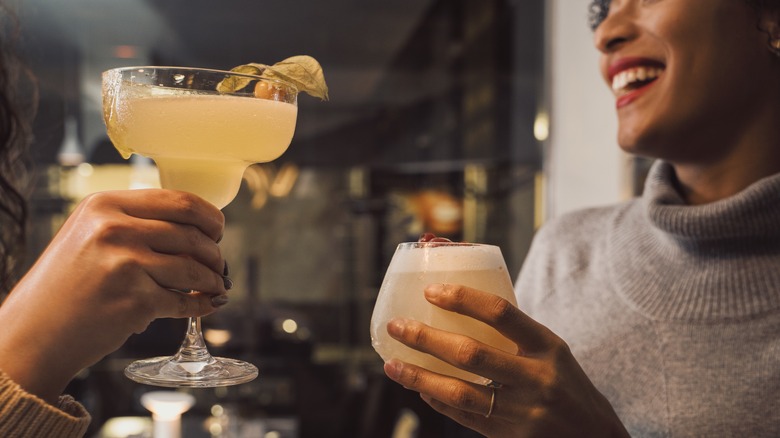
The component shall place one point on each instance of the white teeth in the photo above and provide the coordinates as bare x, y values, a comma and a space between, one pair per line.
627, 77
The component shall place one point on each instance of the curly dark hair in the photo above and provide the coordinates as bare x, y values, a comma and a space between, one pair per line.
597, 12
15, 116
598, 9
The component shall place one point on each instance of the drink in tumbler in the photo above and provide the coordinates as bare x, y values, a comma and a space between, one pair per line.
416, 265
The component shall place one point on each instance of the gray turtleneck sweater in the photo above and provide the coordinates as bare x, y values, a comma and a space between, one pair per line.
673, 311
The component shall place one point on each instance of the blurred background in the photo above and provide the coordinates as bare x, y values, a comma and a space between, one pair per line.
471, 119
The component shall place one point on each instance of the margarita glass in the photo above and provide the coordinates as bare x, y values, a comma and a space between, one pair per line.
414, 266
202, 140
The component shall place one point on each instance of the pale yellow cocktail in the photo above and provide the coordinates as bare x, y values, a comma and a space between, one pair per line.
201, 143
202, 128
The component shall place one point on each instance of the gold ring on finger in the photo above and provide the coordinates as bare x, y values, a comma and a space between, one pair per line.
492, 401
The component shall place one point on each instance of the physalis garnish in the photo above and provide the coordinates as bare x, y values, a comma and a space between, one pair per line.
302, 71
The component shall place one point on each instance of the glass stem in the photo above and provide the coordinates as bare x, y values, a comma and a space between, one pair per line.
193, 348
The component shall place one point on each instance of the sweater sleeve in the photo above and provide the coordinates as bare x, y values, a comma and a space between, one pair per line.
24, 415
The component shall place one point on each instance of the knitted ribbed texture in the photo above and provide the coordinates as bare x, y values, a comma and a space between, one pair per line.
23, 415
706, 263
673, 311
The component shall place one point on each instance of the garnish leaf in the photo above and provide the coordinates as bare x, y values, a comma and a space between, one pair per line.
302, 71
234, 83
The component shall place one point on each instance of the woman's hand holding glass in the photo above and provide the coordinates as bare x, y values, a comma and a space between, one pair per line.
119, 262
540, 391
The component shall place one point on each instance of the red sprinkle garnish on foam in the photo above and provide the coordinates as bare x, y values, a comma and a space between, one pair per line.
430, 237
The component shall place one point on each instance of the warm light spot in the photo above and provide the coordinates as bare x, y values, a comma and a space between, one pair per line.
542, 126
289, 326
126, 426
125, 52
85, 170
217, 337
284, 180
167, 405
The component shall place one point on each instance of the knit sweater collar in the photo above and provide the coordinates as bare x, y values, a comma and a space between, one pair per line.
704, 263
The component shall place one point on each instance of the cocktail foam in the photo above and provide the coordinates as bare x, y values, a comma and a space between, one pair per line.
445, 257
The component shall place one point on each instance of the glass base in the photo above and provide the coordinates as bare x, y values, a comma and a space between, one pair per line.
169, 372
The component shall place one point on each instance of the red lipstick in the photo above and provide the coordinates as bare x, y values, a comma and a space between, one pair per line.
631, 96
621, 65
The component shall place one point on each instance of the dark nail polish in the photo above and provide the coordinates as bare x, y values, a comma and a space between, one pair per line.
219, 300
228, 283
226, 270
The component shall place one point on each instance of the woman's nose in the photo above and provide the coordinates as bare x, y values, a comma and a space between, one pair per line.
617, 28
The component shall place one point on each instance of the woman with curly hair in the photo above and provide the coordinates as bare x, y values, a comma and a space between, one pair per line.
115, 266
658, 316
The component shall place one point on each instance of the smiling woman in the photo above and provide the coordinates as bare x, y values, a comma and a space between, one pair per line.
657, 316
708, 102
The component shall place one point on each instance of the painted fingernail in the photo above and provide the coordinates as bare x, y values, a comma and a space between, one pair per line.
228, 283
226, 270
219, 300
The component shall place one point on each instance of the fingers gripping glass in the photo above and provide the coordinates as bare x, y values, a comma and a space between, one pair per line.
416, 265
202, 135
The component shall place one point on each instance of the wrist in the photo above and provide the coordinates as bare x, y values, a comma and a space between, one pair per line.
37, 382
25, 359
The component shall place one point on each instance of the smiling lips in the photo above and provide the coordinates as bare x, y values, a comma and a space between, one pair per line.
631, 77
634, 78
